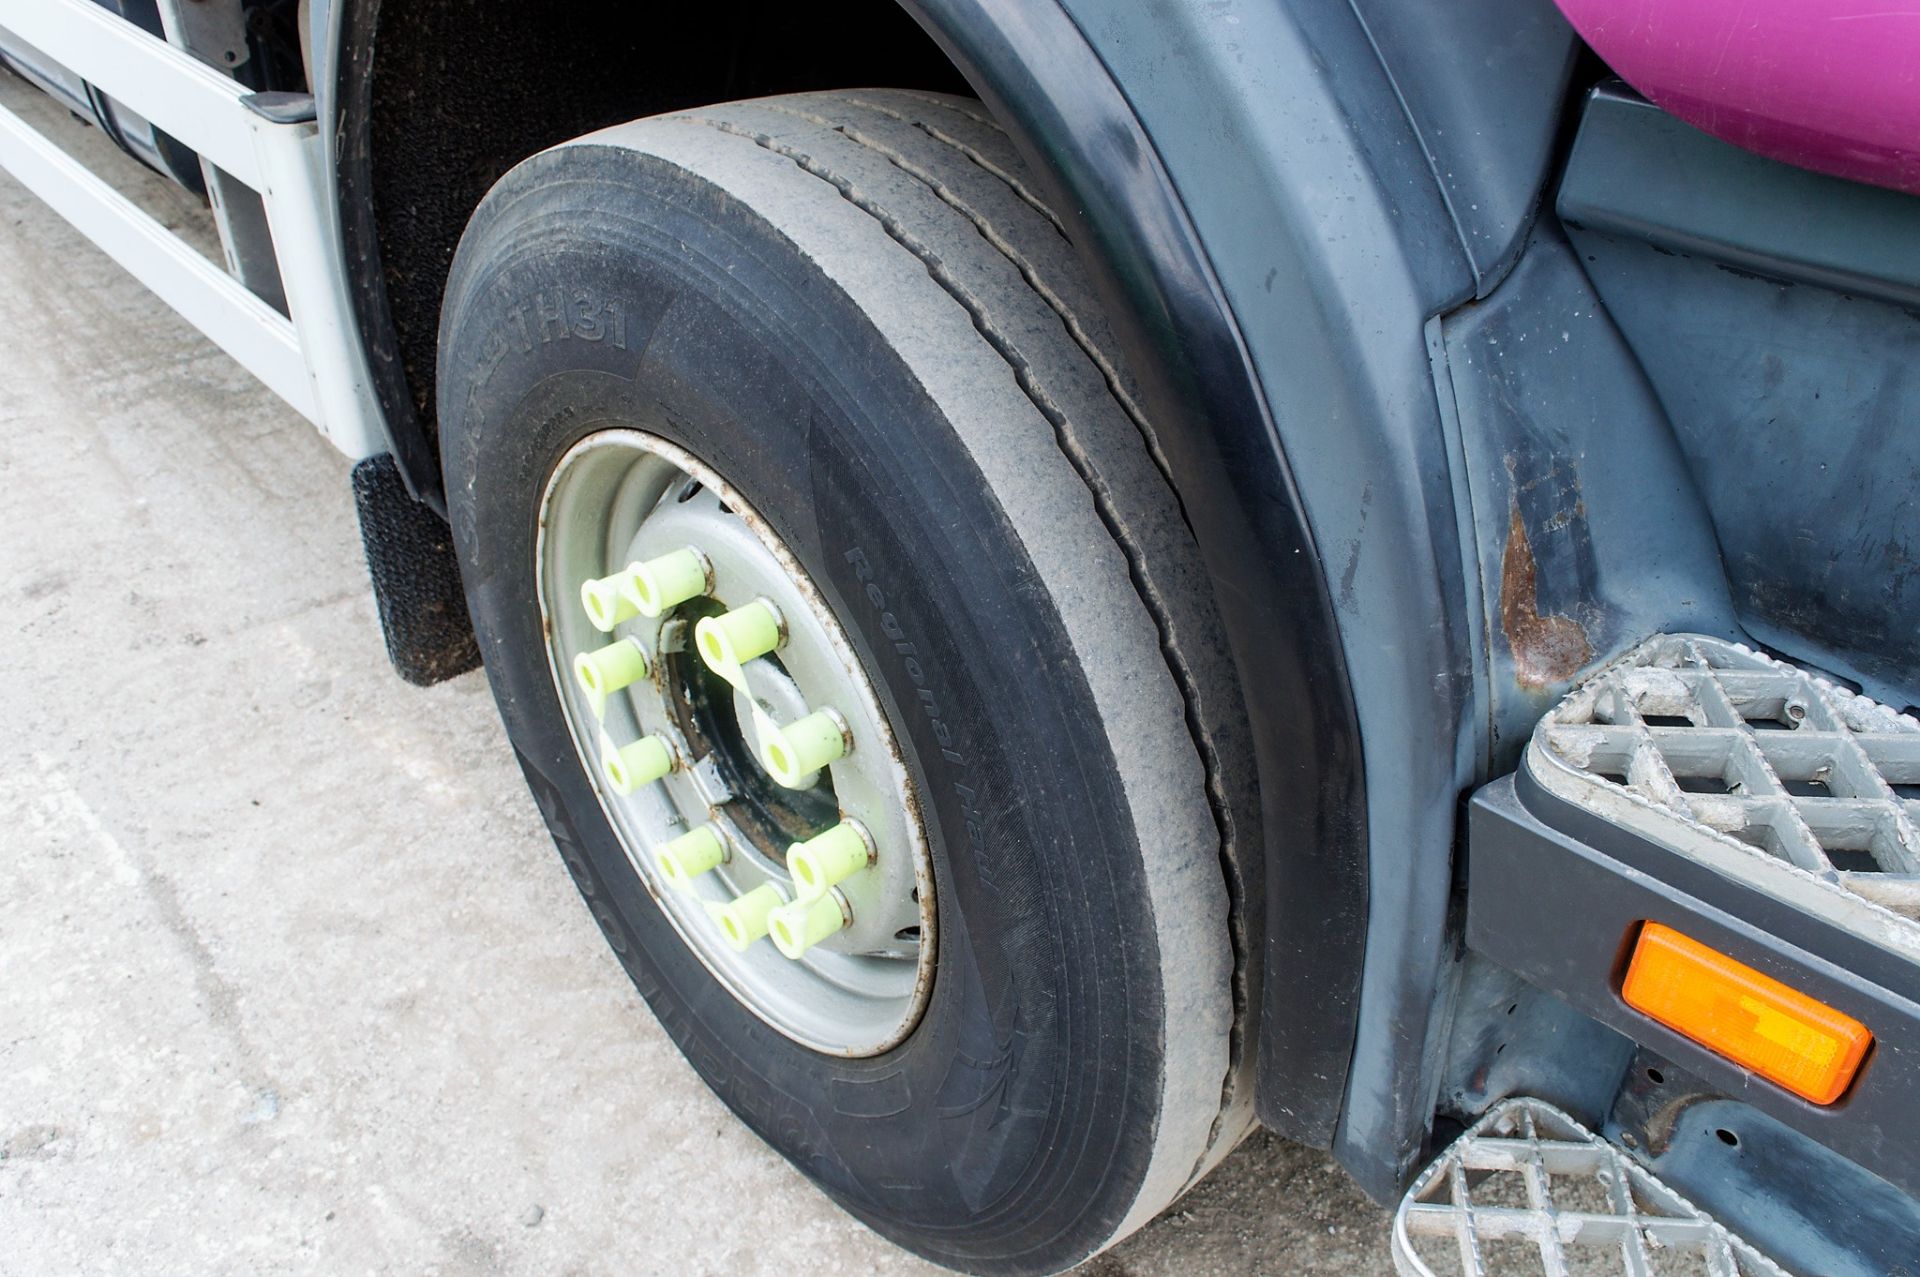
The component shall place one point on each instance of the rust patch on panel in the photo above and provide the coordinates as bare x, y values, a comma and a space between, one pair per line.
1546, 649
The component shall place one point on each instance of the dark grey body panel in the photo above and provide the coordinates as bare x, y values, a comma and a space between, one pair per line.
1511, 1038
1591, 534
1777, 315
1636, 172
1482, 85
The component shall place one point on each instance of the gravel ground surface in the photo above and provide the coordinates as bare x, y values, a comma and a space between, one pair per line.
291, 979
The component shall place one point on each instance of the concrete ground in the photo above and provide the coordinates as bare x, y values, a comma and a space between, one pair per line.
291, 979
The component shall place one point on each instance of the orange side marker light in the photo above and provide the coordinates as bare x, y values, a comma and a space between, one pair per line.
1754, 1020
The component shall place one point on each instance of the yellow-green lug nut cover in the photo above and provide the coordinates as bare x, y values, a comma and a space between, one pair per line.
728, 641
607, 602
608, 669
690, 855
631, 767
803, 747
825, 860
745, 920
668, 581
800, 926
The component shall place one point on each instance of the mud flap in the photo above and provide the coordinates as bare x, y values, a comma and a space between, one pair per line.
416, 580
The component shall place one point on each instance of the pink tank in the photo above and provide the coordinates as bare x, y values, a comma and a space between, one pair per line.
1832, 85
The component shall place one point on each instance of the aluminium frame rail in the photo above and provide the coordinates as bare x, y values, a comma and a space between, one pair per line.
308, 357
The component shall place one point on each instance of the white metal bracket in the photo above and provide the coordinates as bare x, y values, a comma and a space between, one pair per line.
311, 357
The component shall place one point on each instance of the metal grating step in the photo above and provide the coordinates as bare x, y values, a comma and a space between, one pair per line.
1529, 1191
1768, 772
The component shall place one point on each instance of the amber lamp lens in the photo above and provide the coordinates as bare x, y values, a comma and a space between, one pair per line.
1752, 1019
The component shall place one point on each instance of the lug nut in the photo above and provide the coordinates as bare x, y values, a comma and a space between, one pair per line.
729, 641
668, 581
798, 927
690, 855
607, 602
745, 920
608, 669
801, 748
629, 767
826, 860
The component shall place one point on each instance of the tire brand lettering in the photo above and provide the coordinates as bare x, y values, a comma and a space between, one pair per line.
565, 314
890, 626
518, 318
554, 314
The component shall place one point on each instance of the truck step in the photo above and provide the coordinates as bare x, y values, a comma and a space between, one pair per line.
1736, 821
1768, 774
1528, 1190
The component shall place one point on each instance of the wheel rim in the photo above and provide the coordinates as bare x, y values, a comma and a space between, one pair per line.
620, 510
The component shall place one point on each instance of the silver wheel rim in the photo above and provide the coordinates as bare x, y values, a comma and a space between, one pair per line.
623, 497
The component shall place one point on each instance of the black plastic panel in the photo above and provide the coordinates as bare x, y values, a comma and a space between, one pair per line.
1557, 895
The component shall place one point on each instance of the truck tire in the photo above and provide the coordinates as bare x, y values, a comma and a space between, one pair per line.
846, 321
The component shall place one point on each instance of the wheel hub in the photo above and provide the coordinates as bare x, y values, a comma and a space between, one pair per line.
736, 744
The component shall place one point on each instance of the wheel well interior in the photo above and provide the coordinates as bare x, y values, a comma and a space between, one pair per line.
462, 90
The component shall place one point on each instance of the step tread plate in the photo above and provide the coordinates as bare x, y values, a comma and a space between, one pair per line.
1529, 1192
1763, 771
